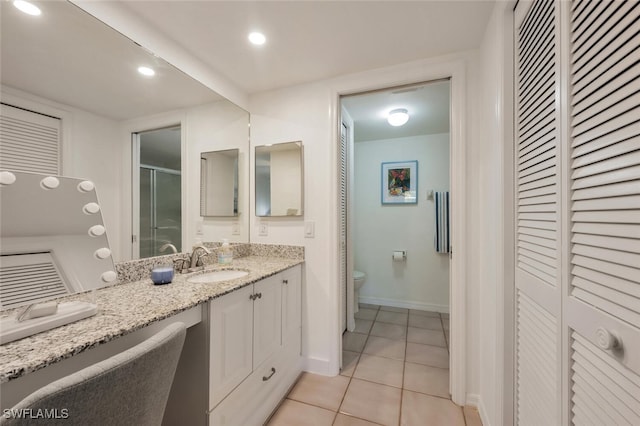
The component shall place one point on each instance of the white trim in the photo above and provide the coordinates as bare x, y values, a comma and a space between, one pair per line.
323, 367
505, 288
408, 304
475, 400
454, 67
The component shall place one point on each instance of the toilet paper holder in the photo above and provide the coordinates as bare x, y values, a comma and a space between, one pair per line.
399, 255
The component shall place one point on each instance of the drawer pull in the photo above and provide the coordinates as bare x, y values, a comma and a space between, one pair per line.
607, 340
259, 295
265, 378
285, 281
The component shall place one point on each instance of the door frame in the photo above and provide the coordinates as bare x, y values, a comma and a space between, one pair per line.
131, 131
454, 68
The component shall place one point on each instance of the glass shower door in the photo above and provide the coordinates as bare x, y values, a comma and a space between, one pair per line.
160, 210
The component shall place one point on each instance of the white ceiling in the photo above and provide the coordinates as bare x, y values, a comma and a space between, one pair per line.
313, 40
427, 105
68, 56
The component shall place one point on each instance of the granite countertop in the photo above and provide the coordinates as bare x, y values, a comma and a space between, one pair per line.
125, 308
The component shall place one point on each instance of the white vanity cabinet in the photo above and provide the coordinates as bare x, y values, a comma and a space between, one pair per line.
254, 354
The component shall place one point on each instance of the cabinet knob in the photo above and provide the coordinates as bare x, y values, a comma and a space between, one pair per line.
259, 295
285, 281
252, 297
607, 340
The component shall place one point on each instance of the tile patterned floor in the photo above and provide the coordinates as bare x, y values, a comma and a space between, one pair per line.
396, 372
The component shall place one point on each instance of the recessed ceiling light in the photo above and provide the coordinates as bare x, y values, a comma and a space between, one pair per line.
398, 117
257, 38
28, 8
146, 71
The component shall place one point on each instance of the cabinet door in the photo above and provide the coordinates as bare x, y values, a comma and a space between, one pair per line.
291, 304
230, 360
267, 317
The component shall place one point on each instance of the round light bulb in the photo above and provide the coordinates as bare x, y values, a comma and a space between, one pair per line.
50, 182
86, 186
28, 8
146, 71
96, 230
257, 38
7, 178
91, 208
398, 117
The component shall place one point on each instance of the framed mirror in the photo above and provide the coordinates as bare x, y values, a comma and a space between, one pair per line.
67, 65
219, 183
279, 175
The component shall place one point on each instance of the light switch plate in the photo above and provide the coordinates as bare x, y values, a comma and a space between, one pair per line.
235, 228
263, 230
309, 229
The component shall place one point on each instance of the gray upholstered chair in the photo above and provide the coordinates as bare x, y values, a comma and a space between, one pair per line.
130, 388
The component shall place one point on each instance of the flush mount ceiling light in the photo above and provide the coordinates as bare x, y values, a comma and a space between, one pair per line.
398, 117
146, 71
28, 8
257, 38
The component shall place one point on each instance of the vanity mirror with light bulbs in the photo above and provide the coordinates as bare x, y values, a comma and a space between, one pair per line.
67, 65
279, 179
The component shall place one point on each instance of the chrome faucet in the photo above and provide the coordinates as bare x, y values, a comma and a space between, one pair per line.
195, 258
169, 246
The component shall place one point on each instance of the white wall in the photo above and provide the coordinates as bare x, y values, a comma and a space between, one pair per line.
422, 281
490, 198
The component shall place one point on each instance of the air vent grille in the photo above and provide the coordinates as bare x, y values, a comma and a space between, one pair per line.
29, 278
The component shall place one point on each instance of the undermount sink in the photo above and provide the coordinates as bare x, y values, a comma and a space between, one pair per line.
217, 276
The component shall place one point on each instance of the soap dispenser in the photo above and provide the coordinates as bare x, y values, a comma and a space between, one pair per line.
225, 253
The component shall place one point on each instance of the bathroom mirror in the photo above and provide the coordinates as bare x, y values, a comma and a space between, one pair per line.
53, 238
219, 183
67, 64
279, 179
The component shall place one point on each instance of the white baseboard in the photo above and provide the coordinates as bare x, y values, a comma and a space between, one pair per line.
432, 307
474, 400
318, 366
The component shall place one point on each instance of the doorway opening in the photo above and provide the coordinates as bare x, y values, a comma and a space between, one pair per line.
394, 183
157, 183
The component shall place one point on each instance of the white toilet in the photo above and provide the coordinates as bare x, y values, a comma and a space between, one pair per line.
358, 281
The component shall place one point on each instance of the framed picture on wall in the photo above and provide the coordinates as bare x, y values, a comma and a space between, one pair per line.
400, 182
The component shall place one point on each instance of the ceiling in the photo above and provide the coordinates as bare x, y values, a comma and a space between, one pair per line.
70, 57
427, 105
313, 40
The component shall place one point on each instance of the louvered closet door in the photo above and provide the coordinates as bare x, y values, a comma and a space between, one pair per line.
603, 307
29, 141
538, 250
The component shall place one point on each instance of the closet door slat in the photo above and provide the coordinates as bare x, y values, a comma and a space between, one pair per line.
29, 141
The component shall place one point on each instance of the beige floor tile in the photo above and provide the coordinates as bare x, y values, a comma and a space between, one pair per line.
386, 348
425, 379
427, 355
420, 409
368, 306
363, 326
390, 331
471, 416
343, 420
372, 402
349, 361
399, 318
423, 313
426, 337
353, 342
394, 309
321, 391
385, 371
367, 314
294, 413
430, 323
